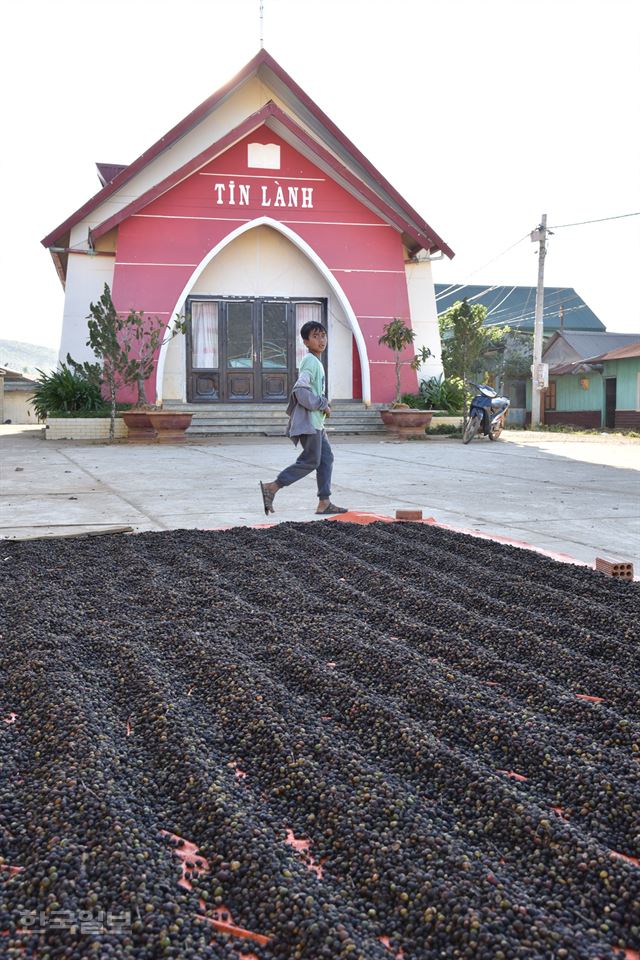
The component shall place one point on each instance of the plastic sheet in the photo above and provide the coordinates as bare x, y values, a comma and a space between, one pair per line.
220, 917
302, 847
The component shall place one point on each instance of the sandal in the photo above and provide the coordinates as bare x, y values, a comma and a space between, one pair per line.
267, 499
331, 508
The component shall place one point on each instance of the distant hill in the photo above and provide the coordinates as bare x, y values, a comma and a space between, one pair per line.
27, 358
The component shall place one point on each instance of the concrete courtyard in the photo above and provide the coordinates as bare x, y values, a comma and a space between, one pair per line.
574, 494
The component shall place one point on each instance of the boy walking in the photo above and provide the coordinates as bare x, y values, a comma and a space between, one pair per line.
307, 409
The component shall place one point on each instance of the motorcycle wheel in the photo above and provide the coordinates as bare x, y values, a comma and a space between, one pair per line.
472, 427
497, 430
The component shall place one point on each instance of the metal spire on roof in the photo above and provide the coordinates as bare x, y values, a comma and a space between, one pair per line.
261, 25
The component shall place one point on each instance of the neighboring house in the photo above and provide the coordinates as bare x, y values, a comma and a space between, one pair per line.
593, 380
251, 216
515, 306
16, 392
621, 375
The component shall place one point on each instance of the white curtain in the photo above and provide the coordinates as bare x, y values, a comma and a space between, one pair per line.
204, 335
304, 313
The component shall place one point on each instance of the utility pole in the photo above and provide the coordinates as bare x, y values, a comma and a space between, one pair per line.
539, 377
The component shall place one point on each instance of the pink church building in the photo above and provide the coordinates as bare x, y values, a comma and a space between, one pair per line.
251, 216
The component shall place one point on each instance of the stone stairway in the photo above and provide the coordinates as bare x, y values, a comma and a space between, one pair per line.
270, 420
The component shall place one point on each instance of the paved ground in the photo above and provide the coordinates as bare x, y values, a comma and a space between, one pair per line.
578, 495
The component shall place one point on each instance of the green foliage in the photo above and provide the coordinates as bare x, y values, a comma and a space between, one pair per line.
466, 343
397, 336
413, 400
436, 393
103, 411
66, 391
441, 394
126, 346
445, 429
518, 355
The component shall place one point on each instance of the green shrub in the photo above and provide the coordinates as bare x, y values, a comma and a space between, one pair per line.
104, 411
66, 391
445, 429
413, 400
441, 394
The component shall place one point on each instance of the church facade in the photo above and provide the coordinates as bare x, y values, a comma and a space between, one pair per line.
248, 218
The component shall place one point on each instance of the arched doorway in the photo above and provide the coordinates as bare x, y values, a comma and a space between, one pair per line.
248, 307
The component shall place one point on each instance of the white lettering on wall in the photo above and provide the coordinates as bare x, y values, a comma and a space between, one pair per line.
240, 194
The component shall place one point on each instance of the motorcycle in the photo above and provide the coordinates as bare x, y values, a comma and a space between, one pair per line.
488, 411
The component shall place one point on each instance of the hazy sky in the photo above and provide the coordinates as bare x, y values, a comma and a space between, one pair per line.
484, 115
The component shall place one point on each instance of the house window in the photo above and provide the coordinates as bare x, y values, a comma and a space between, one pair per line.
550, 396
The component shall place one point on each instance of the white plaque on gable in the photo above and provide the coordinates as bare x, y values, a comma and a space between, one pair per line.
265, 156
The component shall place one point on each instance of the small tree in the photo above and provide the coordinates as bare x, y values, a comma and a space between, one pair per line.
397, 336
465, 340
126, 346
518, 355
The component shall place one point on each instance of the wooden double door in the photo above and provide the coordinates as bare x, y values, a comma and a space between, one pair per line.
245, 349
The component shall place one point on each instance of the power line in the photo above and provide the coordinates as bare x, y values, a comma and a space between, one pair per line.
461, 286
581, 223
493, 309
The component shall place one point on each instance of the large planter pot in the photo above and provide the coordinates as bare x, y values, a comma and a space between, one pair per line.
170, 426
139, 426
407, 422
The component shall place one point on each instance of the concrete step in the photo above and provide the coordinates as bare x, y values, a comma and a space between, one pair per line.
338, 406
210, 427
270, 419
227, 419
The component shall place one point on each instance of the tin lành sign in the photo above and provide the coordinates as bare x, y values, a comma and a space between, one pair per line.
264, 195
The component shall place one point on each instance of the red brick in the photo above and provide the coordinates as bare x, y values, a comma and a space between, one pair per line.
408, 514
615, 568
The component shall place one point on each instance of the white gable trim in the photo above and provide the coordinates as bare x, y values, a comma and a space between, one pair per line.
317, 261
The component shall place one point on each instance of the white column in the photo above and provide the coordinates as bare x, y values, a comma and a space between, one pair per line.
424, 316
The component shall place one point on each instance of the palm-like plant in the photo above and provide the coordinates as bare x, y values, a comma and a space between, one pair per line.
67, 391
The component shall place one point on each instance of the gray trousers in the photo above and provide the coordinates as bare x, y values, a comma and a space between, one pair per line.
316, 455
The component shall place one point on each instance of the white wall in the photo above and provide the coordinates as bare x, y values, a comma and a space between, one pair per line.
424, 316
264, 263
16, 406
86, 277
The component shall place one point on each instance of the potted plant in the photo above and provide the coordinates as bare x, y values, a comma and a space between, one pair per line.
128, 347
404, 420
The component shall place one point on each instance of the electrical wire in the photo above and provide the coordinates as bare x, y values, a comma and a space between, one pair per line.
580, 223
524, 318
460, 286
493, 309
